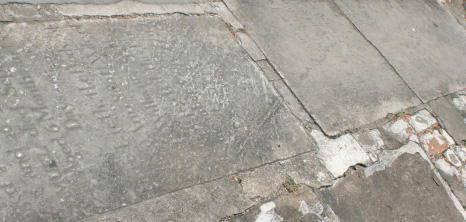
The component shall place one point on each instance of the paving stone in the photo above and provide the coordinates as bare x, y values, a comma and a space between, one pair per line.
450, 118
308, 170
250, 46
292, 103
454, 178
303, 205
396, 133
458, 9
340, 77
422, 120
339, 154
268, 70
434, 142
427, 50
207, 202
264, 181
100, 1
102, 113
452, 158
406, 191
129, 8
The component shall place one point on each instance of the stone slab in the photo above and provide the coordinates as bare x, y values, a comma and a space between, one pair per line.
339, 76
450, 117
458, 9
101, 1
98, 114
207, 202
406, 191
421, 39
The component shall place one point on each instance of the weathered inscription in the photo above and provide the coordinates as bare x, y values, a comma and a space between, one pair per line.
95, 115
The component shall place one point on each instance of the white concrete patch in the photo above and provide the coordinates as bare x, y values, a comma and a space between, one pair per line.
460, 102
452, 158
337, 155
267, 213
128, 8
422, 120
387, 157
400, 128
445, 167
370, 140
461, 151
317, 209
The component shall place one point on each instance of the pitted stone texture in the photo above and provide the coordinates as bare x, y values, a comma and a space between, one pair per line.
341, 79
339, 154
450, 117
207, 202
422, 120
434, 142
406, 191
421, 39
100, 113
101, 1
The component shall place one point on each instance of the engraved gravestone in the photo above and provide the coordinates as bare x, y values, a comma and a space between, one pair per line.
100, 114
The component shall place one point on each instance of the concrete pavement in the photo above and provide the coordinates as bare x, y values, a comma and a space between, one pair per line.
234, 110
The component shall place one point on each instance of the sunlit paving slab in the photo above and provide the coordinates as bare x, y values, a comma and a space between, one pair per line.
421, 39
342, 80
102, 1
100, 114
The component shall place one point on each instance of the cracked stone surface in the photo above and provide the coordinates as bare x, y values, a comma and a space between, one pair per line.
265, 110
342, 80
94, 120
421, 39
102, 1
339, 154
408, 182
210, 201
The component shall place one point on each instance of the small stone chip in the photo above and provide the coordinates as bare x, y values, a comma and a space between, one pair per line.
452, 158
434, 142
422, 120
